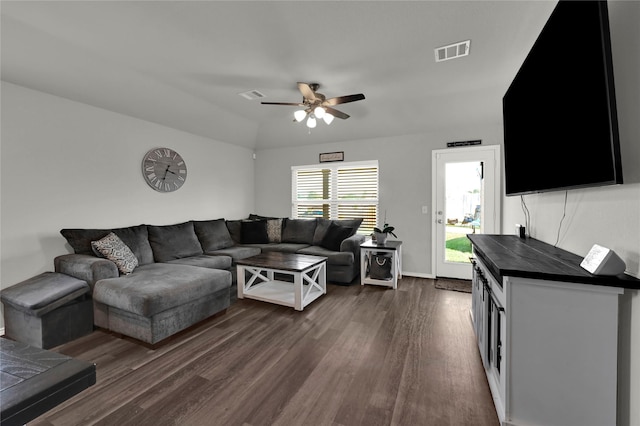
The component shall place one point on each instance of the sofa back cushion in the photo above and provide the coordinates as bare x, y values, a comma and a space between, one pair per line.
80, 239
334, 236
171, 242
323, 227
235, 230
298, 231
212, 234
135, 237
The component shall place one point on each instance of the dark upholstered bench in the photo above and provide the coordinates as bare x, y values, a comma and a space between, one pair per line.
47, 310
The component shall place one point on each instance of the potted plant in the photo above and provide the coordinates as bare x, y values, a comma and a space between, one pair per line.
382, 234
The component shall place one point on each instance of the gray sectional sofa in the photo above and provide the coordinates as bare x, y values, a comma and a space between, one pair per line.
178, 275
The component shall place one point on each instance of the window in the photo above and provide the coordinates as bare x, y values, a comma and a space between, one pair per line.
337, 191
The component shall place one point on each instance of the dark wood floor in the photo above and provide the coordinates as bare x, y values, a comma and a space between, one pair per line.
357, 356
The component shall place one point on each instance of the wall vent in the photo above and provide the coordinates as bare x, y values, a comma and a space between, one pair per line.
452, 51
252, 94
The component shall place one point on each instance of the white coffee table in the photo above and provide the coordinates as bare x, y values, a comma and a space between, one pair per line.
256, 278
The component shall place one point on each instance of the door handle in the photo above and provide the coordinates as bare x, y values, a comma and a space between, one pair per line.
439, 221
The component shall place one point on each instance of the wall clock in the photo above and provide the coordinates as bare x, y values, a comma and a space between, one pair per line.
164, 169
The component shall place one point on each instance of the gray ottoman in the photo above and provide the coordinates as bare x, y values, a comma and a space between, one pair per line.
47, 310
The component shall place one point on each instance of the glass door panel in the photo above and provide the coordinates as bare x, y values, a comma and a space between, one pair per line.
463, 208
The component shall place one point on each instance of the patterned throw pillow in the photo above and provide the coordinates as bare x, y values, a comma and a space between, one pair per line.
116, 251
274, 230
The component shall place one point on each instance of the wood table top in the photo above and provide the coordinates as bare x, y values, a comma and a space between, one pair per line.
388, 245
282, 261
509, 255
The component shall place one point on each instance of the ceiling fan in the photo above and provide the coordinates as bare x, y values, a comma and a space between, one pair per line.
316, 106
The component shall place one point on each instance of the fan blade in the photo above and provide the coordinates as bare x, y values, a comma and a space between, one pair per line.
283, 103
343, 99
307, 91
336, 113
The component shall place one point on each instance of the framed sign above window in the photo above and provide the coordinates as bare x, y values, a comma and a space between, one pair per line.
327, 157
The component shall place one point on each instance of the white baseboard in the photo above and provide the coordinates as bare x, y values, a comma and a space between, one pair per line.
418, 275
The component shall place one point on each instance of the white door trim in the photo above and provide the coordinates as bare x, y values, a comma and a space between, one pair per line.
493, 222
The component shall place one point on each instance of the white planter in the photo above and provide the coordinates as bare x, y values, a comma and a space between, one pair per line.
381, 238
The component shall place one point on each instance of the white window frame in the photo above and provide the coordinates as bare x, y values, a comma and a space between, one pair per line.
333, 201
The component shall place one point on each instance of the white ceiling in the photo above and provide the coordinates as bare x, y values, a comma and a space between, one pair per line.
183, 63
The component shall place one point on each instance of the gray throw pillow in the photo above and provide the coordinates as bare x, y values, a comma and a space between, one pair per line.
213, 234
334, 237
323, 226
299, 231
254, 232
171, 242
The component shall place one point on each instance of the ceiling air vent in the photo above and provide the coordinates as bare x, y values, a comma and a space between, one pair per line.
252, 94
452, 51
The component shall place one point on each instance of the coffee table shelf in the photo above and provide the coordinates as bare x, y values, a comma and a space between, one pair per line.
280, 292
256, 278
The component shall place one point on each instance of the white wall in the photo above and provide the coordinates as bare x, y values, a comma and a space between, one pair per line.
70, 165
405, 181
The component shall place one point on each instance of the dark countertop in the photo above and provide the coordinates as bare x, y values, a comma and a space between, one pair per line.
509, 255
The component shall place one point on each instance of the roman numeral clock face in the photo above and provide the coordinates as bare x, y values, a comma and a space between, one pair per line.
164, 169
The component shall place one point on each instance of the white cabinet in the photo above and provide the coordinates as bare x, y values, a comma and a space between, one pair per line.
548, 341
489, 321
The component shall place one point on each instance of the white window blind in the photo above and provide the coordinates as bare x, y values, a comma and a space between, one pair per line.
337, 191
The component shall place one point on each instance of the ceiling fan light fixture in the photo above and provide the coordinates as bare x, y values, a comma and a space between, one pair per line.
328, 118
311, 122
316, 105
300, 115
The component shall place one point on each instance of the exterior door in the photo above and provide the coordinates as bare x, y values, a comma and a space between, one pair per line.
465, 199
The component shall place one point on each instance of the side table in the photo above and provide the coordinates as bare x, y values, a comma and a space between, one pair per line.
393, 249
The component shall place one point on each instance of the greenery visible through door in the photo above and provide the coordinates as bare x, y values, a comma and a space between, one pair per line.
458, 247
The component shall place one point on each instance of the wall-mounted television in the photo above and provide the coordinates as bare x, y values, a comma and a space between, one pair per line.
560, 120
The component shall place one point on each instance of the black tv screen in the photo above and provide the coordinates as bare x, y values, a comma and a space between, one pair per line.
560, 122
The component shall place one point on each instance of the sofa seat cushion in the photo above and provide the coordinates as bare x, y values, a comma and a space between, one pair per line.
237, 252
171, 242
333, 257
204, 261
154, 288
284, 247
